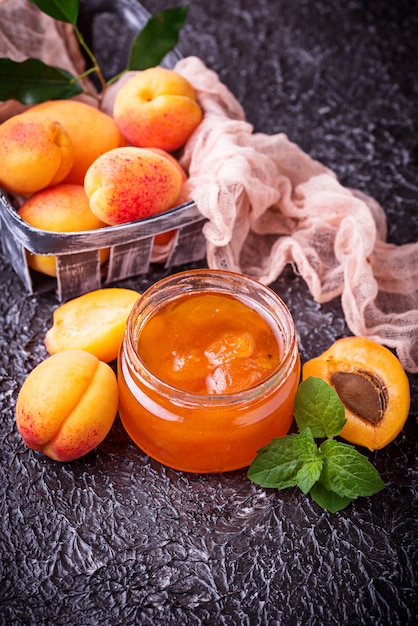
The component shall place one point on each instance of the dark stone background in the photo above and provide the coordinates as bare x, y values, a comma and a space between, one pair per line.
117, 539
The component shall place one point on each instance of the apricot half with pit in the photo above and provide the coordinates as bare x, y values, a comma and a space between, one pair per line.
372, 385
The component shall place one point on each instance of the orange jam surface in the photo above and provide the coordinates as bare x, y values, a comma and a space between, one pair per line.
209, 344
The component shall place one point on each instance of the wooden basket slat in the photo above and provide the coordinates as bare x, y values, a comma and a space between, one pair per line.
129, 259
15, 253
77, 273
189, 245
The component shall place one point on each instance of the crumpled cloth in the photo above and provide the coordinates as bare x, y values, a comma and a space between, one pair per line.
269, 204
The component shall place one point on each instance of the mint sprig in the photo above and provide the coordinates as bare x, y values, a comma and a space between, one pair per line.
333, 473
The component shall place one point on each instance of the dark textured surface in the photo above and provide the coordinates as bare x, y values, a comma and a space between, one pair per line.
117, 539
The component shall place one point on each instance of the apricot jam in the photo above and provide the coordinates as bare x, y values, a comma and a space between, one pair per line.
208, 370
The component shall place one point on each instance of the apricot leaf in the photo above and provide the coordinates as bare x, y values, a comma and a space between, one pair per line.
318, 406
62, 10
347, 472
327, 499
32, 81
157, 38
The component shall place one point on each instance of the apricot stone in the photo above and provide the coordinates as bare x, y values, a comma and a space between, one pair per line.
94, 322
157, 108
35, 152
129, 184
61, 208
372, 385
67, 405
91, 132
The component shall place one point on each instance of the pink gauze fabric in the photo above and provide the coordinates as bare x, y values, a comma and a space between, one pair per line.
268, 204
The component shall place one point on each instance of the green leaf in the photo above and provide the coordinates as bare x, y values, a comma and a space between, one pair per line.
333, 475
347, 472
157, 38
277, 464
328, 500
318, 406
311, 460
31, 81
62, 10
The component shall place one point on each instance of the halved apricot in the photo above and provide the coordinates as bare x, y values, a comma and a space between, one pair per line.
372, 385
94, 322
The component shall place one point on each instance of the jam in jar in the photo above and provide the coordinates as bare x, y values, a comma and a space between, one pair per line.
208, 370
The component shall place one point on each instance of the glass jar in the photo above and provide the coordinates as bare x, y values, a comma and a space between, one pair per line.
206, 432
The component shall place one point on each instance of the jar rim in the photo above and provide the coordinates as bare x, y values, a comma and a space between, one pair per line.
211, 280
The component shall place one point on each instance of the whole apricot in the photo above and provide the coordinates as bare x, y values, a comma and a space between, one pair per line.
94, 322
129, 184
91, 132
61, 208
157, 107
372, 385
163, 239
172, 160
35, 152
67, 405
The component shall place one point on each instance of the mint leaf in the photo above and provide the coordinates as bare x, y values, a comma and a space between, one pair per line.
347, 472
32, 81
334, 474
157, 38
62, 10
293, 460
311, 461
328, 500
277, 464
318, 406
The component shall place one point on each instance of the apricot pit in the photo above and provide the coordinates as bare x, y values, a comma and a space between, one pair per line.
362, 393
371, 384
